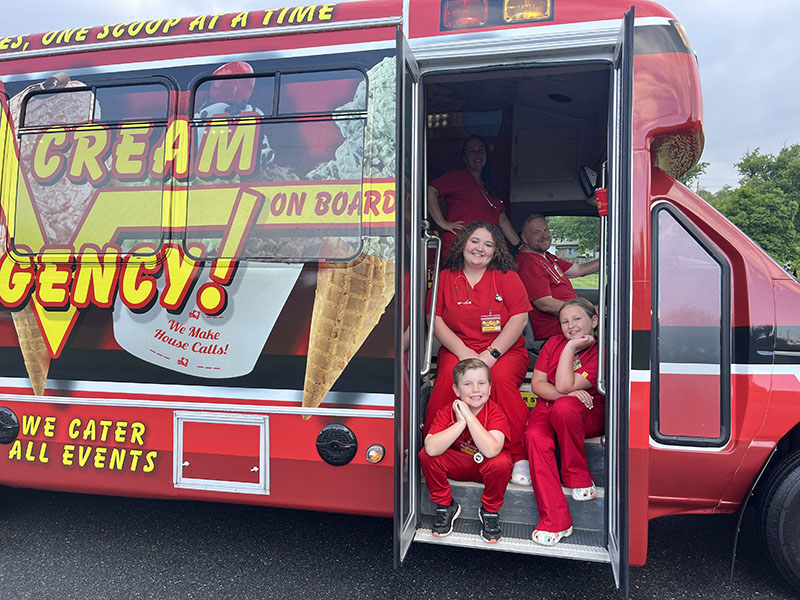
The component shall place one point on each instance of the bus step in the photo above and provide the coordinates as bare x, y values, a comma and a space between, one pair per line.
519, 506
581, 545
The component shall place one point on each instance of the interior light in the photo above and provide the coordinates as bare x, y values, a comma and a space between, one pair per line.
462, 14
527, 10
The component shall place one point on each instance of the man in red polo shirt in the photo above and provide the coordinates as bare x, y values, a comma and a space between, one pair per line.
545, 276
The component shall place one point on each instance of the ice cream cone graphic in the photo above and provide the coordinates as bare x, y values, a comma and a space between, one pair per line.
34, 349
349, 302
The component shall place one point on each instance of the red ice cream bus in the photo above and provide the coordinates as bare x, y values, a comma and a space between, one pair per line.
215, 248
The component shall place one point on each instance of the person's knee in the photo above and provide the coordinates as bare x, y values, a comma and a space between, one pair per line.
498, 465
566, 410
534, 437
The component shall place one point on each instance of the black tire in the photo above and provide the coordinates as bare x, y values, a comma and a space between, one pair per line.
780, 517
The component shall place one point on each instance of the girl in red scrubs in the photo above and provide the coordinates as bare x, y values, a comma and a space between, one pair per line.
569, 410
480, 312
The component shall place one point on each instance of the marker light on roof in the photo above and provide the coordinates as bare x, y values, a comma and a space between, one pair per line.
462, 14
527, 10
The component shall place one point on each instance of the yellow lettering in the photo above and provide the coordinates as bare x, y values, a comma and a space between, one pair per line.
95, 277
153, 26
87, 162
100, 458
120, 431
222, 146
16, 280
267, 16
105, 425
198, 23
213, 22
15, 452
49, 37
90, 431
84, 452
150, 459
43, 454
118, 30
5, 43
49, 429
239, 20
72, 431
135, 454
174, 147
29, 456
137, 431
302, 12
170, 24
48, 162
282, 15
181, 271
117, 460
138, 286
80, 35
53, 281
135, 28
67, 455
326, 12
104, 32
30, 425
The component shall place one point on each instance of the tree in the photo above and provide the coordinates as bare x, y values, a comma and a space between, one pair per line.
766, 204
585, 230
690, 177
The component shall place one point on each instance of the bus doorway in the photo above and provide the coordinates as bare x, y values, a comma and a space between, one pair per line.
547, 131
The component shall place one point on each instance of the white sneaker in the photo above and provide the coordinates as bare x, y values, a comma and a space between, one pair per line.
584, 494
521, 473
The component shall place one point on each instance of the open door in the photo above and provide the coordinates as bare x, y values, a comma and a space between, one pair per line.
410, 309
619, 304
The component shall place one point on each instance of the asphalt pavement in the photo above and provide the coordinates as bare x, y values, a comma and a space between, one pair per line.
71, 546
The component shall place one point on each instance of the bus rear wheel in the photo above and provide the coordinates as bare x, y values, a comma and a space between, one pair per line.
780, 517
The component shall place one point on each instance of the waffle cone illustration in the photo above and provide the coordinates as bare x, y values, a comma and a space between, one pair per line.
34, 349
350, 299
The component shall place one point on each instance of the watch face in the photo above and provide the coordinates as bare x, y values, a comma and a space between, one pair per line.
495, 352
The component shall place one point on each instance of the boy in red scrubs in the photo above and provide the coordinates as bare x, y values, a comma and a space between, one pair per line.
468, 441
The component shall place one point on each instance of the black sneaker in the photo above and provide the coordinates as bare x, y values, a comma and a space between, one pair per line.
490, 532
444, 519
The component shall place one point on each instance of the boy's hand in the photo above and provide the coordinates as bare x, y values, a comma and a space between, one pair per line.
457, 406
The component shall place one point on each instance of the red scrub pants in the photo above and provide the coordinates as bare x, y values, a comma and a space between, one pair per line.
568, 422
493, 473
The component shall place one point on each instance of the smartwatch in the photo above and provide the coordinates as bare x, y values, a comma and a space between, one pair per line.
494, 352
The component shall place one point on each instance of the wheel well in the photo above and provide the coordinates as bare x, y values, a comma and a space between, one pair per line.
789, 442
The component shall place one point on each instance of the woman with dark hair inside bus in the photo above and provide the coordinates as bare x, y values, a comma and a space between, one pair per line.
480, 312
569, 409
469, 195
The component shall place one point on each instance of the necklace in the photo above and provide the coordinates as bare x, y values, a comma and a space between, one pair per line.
485, 195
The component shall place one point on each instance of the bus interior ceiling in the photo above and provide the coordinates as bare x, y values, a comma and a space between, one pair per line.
546, 127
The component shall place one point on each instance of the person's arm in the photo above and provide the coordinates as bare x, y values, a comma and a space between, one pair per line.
508, 231
548, 304
505, 339
436, 213
543, 388
450, 340
438, 443
587, 268
567, 380
490, 443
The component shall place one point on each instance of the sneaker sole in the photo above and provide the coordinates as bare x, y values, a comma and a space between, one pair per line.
452, 523
490, 541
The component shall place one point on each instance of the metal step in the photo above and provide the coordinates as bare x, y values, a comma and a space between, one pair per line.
581, 545
520, 505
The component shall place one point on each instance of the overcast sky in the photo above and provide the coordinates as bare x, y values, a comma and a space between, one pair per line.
749, 52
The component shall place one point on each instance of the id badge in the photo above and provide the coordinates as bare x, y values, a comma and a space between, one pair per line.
473, 451
490, 323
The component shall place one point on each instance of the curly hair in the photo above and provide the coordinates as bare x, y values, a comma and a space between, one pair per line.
502, 258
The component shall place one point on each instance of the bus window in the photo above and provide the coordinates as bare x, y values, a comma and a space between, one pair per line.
79, 148
691, 383
304, 196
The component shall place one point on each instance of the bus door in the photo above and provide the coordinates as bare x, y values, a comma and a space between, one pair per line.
619, 304
410, 257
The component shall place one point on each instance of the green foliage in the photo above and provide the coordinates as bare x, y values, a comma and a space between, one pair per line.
586, 230
691, 176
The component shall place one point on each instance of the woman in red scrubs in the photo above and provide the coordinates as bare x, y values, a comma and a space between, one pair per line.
466, 197
480, 312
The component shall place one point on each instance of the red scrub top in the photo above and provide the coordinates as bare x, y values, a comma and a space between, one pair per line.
585, 363
544, 276
466, 200
491, 416
461, 306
